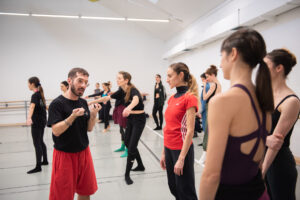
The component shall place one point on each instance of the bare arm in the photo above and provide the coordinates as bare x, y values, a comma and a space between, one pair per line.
30, 113
218, 125
102, 99
163, 159
178, 168
288, 117
207, 94
134, 102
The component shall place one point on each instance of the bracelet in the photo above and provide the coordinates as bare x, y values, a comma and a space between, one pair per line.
67, 123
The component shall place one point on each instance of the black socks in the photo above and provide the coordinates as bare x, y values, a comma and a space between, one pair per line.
128, 180
139, 168
45, 162
157, 128
35, 170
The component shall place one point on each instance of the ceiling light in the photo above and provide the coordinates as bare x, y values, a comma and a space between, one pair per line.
87, 17
103, 18
55, 16
149, 20
14, 14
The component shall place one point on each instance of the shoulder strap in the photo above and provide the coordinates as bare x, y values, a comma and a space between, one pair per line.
215, 88
288, 96
251, 99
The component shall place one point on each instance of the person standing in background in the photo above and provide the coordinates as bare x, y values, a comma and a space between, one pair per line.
37, 119
279, 165
203, 102
159, 101
96, 95
214, 88
64, 86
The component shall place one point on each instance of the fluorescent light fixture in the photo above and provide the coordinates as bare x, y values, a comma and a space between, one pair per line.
87, 17
55, 16
149, 20
103, 18
14, 14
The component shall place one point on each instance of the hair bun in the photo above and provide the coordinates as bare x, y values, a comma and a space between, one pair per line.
292, 57
213, 67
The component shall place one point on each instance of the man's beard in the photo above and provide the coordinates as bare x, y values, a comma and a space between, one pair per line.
73, 90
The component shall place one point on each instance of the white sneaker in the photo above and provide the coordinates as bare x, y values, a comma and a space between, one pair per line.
203, 158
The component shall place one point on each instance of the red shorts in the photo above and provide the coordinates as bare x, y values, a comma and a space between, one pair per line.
72, 172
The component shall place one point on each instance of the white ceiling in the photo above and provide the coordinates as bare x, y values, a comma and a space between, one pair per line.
181, 12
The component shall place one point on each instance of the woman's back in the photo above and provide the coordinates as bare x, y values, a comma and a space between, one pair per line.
247, 136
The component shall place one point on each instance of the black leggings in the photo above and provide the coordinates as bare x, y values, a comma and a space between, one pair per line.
106, 108
39, 145
100, 116
158, 108
135, 126
182, 187
122, 133
282, 175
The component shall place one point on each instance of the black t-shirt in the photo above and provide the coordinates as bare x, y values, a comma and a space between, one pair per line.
119, 95
135, 92
39, 118
75, 138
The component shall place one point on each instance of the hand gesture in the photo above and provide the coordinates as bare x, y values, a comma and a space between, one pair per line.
126, 112
178, 168
163, 162
94, 109
86, 97
78, 112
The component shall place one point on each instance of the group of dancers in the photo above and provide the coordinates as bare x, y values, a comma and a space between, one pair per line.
247, 128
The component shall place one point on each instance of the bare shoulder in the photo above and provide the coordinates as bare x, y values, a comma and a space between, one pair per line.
291, 103
230, 100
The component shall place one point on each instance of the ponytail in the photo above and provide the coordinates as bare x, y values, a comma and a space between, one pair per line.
42, 94
193, 86
128, 91
263, 88
251, 46
36, 81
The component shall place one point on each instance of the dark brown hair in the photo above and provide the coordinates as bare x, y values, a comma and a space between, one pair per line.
212, 70
36, 82
203, 76
107, 85
252, 49
188, 78
127, 76
65, 83
73, 72
284, 57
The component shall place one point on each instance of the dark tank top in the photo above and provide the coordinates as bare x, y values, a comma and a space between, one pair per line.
240, 175
213, 94
275, 118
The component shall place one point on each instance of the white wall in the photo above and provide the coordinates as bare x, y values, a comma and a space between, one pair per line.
49, 48
283, 32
